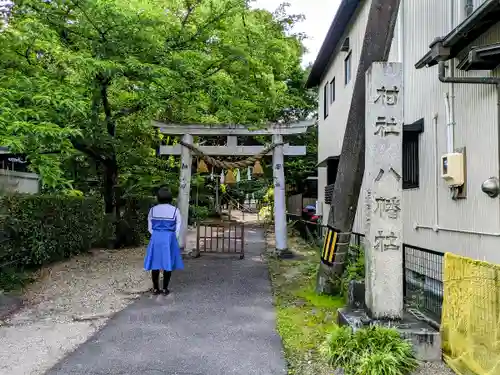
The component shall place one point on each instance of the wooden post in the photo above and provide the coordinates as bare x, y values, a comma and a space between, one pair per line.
376, 47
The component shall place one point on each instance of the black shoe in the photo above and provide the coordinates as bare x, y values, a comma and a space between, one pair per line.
155, 291
165, 292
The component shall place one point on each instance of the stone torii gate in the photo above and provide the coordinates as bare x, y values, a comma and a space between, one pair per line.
277, 131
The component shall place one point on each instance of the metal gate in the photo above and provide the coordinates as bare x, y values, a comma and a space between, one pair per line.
220, 238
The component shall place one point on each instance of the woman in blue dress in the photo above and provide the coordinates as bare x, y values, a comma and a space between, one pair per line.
163, 252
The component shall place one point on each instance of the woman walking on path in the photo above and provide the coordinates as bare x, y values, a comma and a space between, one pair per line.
163, 252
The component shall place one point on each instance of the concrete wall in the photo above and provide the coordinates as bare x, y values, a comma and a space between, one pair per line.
20, 182
470, 226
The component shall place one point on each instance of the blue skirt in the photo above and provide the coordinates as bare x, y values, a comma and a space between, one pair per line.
163, 252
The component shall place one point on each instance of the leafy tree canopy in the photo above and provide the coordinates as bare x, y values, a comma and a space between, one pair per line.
91, 74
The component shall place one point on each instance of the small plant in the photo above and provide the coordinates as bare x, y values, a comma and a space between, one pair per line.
355, 270
199, 213
369, 351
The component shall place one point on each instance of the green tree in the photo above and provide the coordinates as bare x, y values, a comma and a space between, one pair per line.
90, 75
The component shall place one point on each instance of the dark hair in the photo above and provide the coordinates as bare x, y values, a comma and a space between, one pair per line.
164, 196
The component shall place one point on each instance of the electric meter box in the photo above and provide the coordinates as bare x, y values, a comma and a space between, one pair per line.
452, 169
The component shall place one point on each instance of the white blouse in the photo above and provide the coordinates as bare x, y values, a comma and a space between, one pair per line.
165, 212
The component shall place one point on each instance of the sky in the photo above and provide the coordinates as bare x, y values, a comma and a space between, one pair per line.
319, 16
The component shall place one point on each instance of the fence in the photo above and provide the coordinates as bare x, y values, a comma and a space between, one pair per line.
307, 230
315, 232
225, 238
423, 269
423, 281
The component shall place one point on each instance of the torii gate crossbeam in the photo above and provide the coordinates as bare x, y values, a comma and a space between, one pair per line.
232, 148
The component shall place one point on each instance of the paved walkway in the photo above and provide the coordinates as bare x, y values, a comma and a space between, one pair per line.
219, 320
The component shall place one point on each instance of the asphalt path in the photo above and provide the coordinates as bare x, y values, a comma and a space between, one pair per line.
218, 320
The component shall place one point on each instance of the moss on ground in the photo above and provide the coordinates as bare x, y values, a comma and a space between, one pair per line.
303, 317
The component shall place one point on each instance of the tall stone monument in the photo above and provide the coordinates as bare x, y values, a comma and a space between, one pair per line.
383, 191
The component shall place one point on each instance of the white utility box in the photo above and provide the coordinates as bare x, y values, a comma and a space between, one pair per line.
319, 208
452, 169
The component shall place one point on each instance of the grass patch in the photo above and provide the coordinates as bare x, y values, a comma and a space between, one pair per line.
304, 319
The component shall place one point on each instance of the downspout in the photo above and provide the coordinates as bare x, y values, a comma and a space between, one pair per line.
450, 96
436, 174
473, 81
450, 121
400, 32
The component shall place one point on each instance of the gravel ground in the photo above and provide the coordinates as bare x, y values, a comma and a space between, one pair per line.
433, 369
424, 369
68, 303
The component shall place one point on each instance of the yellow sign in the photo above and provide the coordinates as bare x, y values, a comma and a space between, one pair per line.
328, 252
470, 318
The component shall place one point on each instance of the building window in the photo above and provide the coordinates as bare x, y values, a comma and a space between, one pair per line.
331, 175
411, 165
325, 100
469, 7
332, 91
331, 170
347, 68
15, 163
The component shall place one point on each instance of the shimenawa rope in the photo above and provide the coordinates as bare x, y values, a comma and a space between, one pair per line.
234, 164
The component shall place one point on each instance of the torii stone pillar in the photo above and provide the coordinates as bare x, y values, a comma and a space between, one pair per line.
185, 188
233, 149
280, 228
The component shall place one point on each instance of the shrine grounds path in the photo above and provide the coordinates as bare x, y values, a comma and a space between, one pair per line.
218, 320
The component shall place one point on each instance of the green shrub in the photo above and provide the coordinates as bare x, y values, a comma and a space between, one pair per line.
108, 232
198, 213
369, 351
133, 228
42, 228
355, 270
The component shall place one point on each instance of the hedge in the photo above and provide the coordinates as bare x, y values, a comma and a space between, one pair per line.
42, 229
133, 228
39, 229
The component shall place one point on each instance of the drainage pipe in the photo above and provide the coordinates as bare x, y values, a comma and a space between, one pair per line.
450, 121
400, 32
466, 80
436, 173
450, 96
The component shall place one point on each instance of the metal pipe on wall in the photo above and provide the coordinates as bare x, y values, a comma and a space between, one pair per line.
401, 31
450, 123
436, 174
450, 96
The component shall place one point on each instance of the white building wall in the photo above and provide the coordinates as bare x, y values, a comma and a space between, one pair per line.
19, 182
476, 128
471, 226
329, 129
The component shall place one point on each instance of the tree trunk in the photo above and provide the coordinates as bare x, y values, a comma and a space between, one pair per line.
112, 198
110, 181
376, 47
